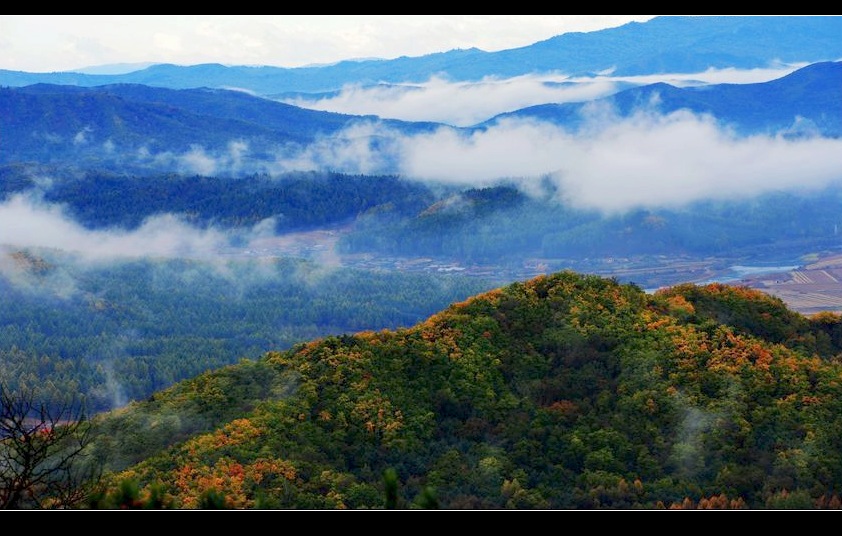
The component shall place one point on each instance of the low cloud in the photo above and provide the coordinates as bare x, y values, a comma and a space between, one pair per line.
469, 103
81, 137
613, 164
27, 222
729, 75
33, 275
367, 147
112, 390
457, 103
198, 160
610, 163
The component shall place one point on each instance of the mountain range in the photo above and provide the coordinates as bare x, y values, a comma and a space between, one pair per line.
152, 267
805, 102
61, 124
125, 124
667, 44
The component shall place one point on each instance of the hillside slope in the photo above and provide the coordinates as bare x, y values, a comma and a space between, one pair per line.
120, 126
564, 391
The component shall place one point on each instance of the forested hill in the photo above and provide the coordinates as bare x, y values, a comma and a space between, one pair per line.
564, 391
121, 126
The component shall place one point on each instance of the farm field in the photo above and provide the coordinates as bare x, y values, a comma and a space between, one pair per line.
810, 289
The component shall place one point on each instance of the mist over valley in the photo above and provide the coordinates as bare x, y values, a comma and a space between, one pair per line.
447, 265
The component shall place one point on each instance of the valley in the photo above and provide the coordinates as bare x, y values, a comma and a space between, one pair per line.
602, 270
809, 289
809, 283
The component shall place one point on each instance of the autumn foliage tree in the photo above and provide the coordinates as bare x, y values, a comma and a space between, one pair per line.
564, 391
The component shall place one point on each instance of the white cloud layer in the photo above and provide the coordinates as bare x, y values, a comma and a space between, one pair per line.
610, 163
613, 164
469, 103
25, 222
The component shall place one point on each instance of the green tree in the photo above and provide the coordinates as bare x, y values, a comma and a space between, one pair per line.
390, 482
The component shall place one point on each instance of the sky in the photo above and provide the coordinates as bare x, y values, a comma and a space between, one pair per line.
47, 43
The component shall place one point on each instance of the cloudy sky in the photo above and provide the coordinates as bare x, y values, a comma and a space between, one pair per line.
45, 43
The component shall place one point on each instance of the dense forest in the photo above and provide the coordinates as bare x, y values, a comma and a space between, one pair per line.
563, 391
394, 216
296, 201
120, 330
503, 224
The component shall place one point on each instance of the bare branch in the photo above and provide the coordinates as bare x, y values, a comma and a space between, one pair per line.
42, 452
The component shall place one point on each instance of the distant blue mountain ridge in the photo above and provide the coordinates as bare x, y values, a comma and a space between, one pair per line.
805, 102
110, 125
666, 44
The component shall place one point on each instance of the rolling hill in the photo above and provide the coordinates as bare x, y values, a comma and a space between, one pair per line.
128, 125
564, 391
